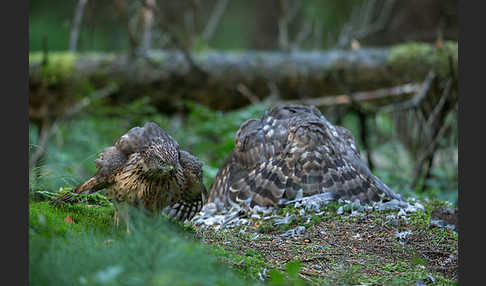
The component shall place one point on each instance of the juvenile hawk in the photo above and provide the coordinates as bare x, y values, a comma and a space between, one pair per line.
146, 168
291, 151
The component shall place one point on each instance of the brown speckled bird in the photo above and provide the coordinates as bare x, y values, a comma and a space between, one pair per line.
146, 168
294, 151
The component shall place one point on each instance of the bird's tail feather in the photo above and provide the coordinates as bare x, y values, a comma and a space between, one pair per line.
184, 210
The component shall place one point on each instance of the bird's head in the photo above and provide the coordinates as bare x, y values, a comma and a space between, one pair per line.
161, 158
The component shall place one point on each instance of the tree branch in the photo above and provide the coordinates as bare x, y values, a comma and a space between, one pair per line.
415, 101
343, 99
214, 19
148, 19
78, 16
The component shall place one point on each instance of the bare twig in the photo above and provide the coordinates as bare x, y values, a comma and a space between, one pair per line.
317, 35
320, 257
303, 34
246, 92
214, 19
415, 101
333, 100
274, 96
283, 34
288, 13
78, 17
302, 275
148, 19
361, 24
440, 105
429, 151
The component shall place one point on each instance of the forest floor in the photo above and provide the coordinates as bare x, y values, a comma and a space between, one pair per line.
291, 247
346, 248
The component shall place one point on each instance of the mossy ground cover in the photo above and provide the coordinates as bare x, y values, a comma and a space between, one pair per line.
347, 249
86, 249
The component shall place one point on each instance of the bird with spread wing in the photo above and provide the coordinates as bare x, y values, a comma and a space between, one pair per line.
146, 168
294, 151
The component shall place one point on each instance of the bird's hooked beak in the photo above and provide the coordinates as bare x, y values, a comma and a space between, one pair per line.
166, 168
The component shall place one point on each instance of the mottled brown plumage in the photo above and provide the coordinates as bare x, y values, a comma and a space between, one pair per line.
146, 168
292, 151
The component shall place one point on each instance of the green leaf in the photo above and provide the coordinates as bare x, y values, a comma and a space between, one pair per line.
277, 277
293, 269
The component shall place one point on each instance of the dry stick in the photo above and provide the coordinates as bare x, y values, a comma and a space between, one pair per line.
435, 112
303, 34
288, 14
320, 257
283, 35
333, 100
317, 35
428, 153
417, 99
246, 92
50, 129
214, 20
432, 147
361, 25
369, 29
78, 17
148, 19
414, 103
302, 275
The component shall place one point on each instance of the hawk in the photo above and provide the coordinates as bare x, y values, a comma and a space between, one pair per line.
146, 168
293, 151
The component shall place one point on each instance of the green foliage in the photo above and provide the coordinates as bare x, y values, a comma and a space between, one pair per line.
248, 265
345, 274
91, 252
289, 277
47, 221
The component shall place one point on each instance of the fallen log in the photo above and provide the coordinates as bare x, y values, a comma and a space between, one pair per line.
166, 77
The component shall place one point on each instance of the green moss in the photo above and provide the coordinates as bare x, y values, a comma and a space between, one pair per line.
59, 65
419, 219
402, 273
441, 234
413, 55
48, 221
249, 265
